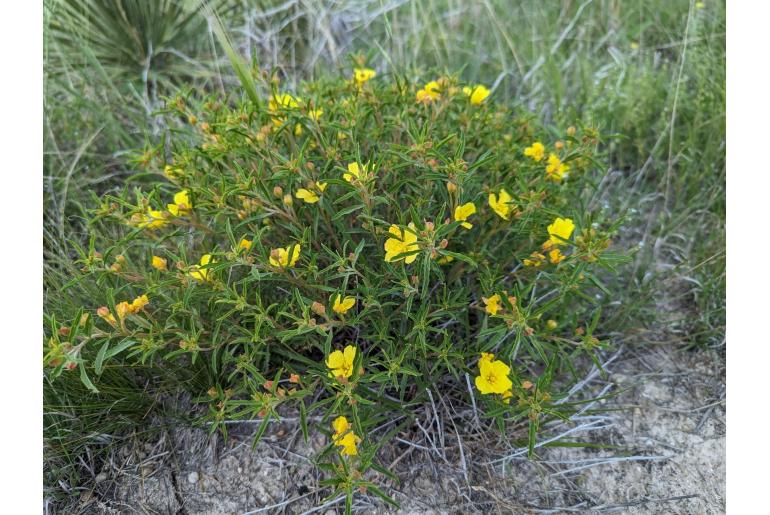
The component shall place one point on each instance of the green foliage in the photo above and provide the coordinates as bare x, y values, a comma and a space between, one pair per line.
620, 66
234, 258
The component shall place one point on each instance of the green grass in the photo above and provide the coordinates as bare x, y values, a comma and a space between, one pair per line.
653, 73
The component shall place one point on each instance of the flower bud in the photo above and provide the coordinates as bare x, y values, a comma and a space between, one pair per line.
318, 308
559, 145
444, 243
192, 119
571, 130
288, 200
552, 324
278, 191
451, 187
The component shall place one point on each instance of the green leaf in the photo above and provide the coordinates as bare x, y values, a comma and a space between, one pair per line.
100, 358
87, 380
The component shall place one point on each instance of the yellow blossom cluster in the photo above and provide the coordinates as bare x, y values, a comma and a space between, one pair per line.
122, 309
556, 169
155, 219
344, 437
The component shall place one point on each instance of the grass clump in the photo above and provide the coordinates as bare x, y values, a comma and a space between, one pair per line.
349, 250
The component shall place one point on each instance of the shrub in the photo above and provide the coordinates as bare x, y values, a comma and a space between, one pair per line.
351, 251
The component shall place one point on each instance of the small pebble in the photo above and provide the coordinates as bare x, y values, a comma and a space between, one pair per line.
101, 477
192, 477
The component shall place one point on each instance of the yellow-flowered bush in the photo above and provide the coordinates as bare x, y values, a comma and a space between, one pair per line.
345, 248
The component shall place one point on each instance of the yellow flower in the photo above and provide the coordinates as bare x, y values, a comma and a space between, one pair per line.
138, 304
362, 75
507, 396
493, 377
282, 101
355, 172
486, 356
463, 212
345, 437
152, 219
477, 94
560, 230
342, 306
501, 204
315, 114
198, 272
245, 244
280, 257
556, 256
171, 173
431, 91
340, 363
159, 263
104, 313
536, 151
537, 259
307, 195
181, 205
555, 170
122, 309
492, 304
445, 260
402, 241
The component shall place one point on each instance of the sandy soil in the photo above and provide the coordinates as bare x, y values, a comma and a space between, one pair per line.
666, 423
